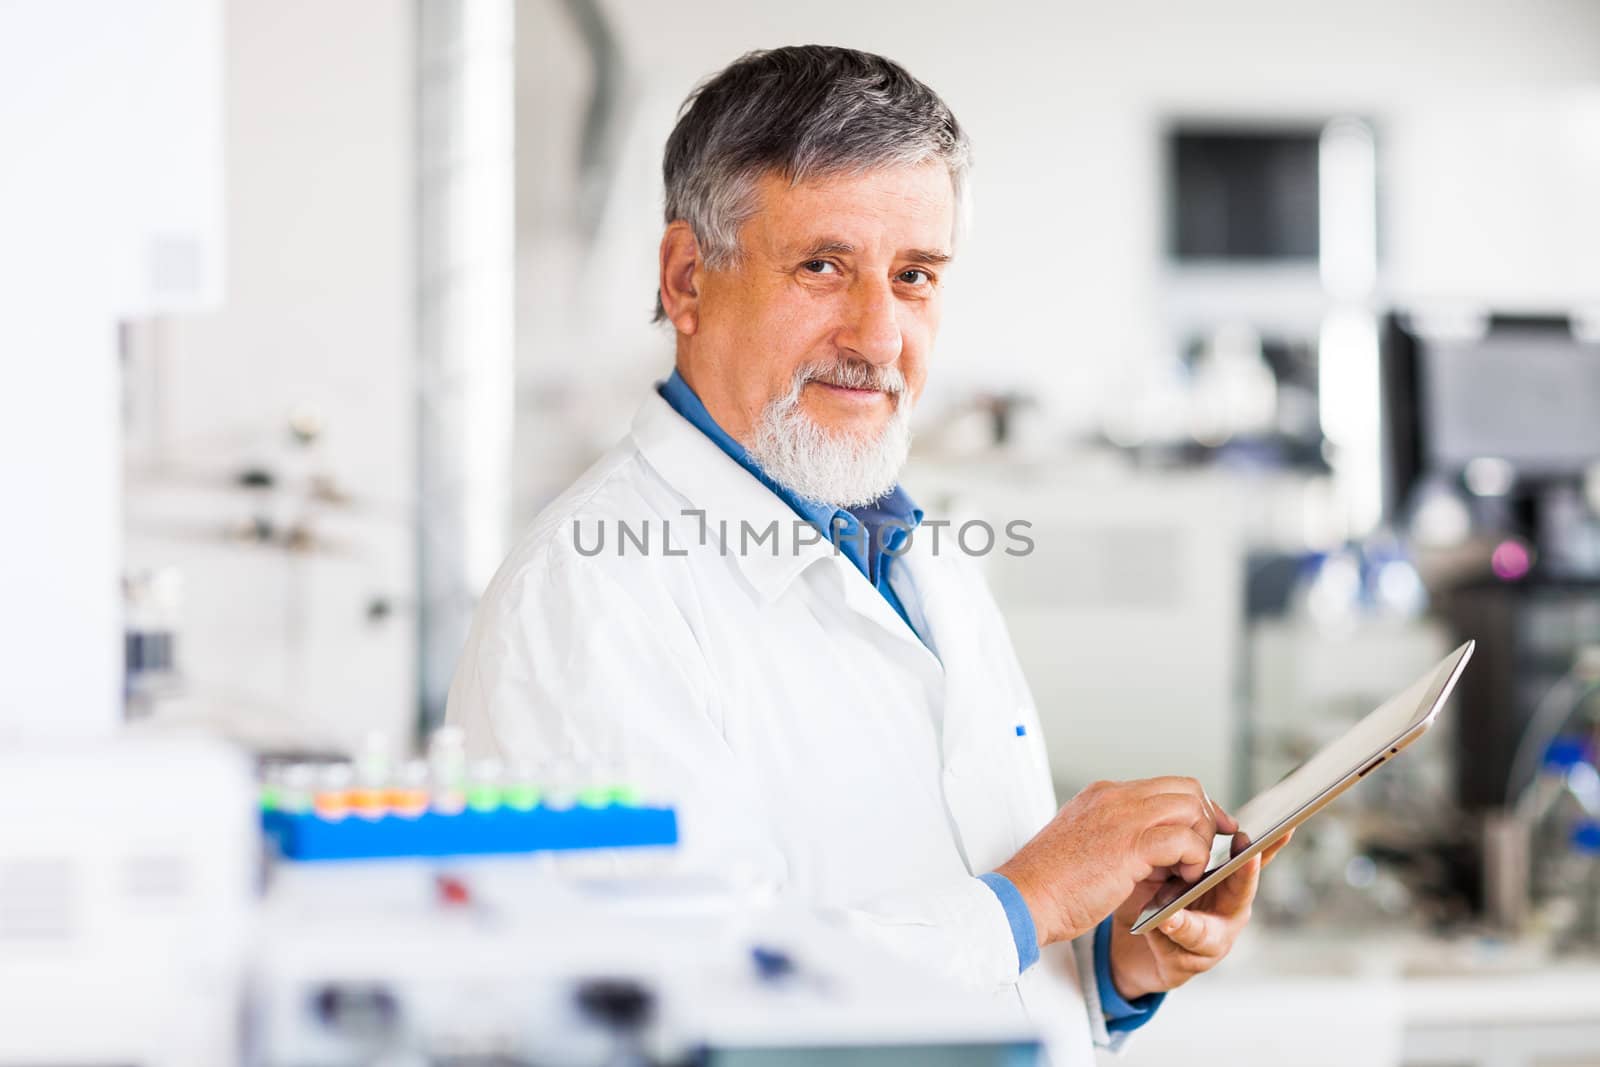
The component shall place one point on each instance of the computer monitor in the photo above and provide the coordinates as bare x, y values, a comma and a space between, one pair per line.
1526, 392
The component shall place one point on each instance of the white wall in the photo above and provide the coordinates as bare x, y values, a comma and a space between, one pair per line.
1061, 283
108, 205
318, 315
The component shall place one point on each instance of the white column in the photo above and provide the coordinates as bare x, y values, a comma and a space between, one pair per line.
465, 267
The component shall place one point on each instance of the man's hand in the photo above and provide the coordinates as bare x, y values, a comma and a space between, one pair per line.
1190, 942
1108, 841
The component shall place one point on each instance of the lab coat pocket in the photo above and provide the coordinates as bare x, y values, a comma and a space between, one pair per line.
1029, 770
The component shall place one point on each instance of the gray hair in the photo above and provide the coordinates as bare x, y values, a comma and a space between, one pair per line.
803, 112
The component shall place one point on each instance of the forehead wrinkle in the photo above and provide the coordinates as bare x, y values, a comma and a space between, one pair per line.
779, 246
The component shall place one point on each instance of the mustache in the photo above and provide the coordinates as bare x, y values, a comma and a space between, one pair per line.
852, 374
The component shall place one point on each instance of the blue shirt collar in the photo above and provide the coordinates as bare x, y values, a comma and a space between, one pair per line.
896, 506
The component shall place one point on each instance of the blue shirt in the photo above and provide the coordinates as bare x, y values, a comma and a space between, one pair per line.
871, 537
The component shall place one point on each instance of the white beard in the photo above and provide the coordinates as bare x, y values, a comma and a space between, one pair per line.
837, 470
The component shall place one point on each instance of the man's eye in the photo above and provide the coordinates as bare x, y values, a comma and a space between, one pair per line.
915, 277
821, 266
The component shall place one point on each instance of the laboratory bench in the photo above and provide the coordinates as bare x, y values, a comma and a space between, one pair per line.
1381, 998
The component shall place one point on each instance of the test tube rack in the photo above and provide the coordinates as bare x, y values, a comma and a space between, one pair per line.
369, 824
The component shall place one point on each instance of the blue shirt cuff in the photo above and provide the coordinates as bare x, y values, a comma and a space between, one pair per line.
1018, 915
1121, 1015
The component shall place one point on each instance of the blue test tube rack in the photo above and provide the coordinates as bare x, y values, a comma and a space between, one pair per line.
308, 836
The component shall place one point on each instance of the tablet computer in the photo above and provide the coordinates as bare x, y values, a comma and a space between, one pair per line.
1308, 788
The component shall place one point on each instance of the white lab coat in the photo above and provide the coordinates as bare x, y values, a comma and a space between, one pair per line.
809, 738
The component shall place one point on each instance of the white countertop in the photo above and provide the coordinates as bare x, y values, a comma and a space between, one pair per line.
1435, 981
1319, 998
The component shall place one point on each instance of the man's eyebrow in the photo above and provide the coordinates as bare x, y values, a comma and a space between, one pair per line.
931, 257
828, 248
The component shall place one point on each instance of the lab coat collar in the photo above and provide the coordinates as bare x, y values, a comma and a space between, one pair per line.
731, 499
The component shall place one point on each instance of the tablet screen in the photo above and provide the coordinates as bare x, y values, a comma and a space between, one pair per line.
1362, 744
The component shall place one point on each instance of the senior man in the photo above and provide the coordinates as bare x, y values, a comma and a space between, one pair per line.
737, 603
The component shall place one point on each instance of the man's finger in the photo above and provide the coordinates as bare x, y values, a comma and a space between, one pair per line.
1226, 824
1275, 848
1175, 846
1181, 809
1143, 893
1210, 818
1173, 783
1177, 808
1196, 932
1236, 891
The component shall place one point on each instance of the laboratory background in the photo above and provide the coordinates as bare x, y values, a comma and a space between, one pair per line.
1278, 323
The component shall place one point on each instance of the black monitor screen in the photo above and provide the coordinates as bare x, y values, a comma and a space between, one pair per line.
1244, 194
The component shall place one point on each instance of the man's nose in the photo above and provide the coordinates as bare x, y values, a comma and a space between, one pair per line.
872, 328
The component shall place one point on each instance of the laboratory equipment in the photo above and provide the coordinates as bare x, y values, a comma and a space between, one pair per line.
1503, 419
508, 923
1583, 879
136, 927
1534, 633
1491, 449
1556, 816
128, 872
500, 960
1537, 679
1560, 799
151, 621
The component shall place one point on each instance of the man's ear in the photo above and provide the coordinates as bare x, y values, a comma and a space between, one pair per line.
680, 267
